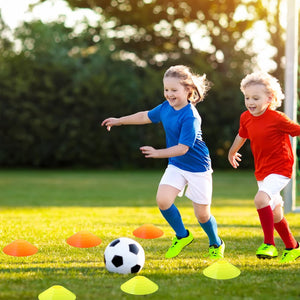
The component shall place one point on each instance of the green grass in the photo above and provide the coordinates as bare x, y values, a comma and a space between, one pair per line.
46, 207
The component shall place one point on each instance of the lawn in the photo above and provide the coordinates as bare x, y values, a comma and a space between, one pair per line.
45, 207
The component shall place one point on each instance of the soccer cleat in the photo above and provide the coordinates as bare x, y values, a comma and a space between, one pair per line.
266, 251
290, 255
216, 252
178, 245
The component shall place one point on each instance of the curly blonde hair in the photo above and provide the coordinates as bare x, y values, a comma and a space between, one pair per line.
270, 83
197, 84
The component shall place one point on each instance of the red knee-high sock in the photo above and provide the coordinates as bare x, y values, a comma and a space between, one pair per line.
267, 223
286, 235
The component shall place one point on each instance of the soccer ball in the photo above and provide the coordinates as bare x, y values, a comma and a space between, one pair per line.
124, 256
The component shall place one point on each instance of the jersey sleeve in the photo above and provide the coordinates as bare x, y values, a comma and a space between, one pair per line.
288, 126
154, 114
188, 132
243, 130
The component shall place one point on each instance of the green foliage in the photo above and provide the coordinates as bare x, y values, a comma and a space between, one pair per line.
59, 86
54, 97
148, 28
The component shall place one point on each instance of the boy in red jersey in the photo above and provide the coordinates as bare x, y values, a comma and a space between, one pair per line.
268, 131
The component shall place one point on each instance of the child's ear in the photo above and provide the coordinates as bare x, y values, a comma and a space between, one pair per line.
270, 98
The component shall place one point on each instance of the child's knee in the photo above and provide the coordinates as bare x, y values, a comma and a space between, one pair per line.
163, 202
203, 218
278, 213
202, 212
165, 196
261, 200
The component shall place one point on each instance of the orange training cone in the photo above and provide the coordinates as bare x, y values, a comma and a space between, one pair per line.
20, 248
57, 292
83, 239
148, 231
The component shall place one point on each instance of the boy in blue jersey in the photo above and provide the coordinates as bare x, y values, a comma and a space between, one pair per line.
189, 162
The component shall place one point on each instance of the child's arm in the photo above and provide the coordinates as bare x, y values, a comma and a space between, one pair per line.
233, 156
138, 118
177, 150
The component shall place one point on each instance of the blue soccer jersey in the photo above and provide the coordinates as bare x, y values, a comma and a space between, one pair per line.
183, 127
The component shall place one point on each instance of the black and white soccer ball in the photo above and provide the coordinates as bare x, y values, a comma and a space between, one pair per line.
124, 256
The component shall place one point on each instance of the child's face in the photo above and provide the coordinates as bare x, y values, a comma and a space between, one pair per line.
175, 92
256, 99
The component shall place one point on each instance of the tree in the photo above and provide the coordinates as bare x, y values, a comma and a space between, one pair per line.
205, 35
54, 93
161, 29
61, 84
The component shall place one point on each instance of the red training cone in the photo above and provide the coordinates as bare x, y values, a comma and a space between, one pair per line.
148, 231
20, 248
84, 239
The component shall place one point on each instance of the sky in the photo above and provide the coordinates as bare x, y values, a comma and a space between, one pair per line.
46, 12
52, 9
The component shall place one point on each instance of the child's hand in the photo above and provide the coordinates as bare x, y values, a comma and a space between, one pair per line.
234, 159
110, 122
149, 152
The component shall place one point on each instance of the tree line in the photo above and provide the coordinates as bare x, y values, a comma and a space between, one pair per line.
58, 86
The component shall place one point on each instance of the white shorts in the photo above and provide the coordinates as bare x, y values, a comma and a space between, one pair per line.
199, 184
272, 185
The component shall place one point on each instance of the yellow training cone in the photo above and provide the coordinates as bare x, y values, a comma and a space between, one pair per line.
139, 285
57, 292
221, 270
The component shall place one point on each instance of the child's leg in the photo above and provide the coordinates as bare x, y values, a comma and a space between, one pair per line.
165, 198
210, 227
208, 223
292, 248
282, 227
266, 200
265, 214
166, 195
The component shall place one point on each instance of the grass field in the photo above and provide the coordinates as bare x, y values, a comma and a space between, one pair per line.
46, 207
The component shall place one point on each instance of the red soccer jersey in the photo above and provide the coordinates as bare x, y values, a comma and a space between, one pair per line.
269, 141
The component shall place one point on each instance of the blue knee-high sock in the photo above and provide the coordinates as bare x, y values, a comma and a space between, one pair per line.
211, 229
173, 217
